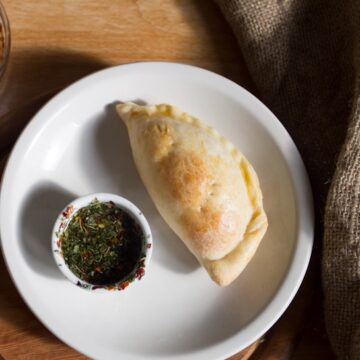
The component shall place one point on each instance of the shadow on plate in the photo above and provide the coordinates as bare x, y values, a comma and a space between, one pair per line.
40, 211
112, 151
31, 79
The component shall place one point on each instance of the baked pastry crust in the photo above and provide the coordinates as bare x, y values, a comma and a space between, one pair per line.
203, 187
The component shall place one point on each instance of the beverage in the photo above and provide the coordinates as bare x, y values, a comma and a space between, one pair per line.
4, 39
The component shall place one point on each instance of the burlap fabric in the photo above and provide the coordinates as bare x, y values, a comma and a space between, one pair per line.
303, 58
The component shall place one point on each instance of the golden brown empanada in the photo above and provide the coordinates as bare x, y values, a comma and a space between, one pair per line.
203, 187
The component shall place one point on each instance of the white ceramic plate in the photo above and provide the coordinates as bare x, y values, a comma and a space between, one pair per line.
76, 145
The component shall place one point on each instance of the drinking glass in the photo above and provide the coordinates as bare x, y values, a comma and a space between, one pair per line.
4, 40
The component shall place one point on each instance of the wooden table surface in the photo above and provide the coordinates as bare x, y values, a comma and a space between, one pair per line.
55, 42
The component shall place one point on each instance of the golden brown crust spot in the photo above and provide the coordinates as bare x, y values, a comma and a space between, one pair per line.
187, 177
201, 226
208, 228
199, 222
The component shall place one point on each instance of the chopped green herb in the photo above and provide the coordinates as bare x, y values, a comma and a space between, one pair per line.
102, 244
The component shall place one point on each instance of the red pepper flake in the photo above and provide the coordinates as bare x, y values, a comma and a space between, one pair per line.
110, 204
142, 263
148, 246
68, 211
140, 272
60, 240
124, 285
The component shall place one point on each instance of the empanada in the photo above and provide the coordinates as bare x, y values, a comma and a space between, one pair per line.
203, 187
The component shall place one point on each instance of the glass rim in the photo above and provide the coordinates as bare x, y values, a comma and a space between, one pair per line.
5, 39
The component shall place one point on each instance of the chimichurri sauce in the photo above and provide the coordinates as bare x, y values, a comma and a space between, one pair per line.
102, 244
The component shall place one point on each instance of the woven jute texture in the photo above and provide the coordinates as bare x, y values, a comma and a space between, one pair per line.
303, 58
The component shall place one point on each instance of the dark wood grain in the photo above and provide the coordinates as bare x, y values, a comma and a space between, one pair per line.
56, 43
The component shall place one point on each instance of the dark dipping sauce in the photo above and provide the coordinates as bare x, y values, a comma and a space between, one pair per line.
102, 244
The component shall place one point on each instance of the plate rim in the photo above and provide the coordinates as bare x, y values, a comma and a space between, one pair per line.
292, 280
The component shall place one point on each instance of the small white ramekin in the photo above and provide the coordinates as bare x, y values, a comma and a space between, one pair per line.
65, 217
